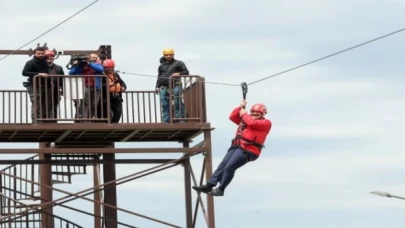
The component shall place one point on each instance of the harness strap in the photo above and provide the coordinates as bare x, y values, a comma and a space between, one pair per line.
247, 141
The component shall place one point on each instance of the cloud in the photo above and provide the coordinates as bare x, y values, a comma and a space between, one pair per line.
337, 124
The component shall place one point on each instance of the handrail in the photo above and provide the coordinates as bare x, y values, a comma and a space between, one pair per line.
139, 106
10, 166
17, 189
91, 92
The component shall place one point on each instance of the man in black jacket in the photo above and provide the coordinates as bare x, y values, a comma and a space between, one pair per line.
43, 97
169, 70
57, 83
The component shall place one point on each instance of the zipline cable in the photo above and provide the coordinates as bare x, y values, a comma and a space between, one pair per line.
297, 67
54, 27
328, 56
155, 76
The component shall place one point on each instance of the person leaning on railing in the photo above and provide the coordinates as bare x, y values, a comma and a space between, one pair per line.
55, 69
38, 66
92, 84
169, 71
116, 87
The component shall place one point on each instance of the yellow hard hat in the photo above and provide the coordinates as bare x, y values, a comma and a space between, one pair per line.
168, 51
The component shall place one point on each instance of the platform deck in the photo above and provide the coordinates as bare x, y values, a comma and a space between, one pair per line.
99, 132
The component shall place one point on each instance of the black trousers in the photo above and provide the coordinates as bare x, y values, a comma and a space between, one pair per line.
116, 107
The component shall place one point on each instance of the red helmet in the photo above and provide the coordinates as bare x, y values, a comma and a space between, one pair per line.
49, 53
108, 63
259, 108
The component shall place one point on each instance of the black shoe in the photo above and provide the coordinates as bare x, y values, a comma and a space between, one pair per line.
216, 192
202, 188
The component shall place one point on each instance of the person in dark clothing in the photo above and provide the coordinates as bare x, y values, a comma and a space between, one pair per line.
57, 90
116, 87
102, 103
168, 71
43, 96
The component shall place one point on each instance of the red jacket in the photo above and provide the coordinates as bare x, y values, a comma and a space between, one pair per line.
89, 81
252, 129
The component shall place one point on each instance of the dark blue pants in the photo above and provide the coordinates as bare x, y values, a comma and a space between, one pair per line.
233, 160
179, 109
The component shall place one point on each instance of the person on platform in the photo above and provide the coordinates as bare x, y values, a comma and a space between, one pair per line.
169, 70
117, 87
38, 66
92, 85
246, 147
55, 69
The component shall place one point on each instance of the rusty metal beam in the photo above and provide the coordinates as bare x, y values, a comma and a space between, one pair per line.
84, 162
42, 135
208, 174
110, 190
174, 134
30, 52
45, 178
12, 136
106, 127
109, 134
187, 189
38, 210
99, 150
64, 135
120, 180
200, 144
61, 205
103, 187
148, 133
126, 138
199, 200
80, 135
97, 197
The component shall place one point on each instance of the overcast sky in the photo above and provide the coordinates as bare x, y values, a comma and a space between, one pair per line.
337, 124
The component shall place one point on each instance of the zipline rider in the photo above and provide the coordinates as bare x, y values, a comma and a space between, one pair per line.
250, 136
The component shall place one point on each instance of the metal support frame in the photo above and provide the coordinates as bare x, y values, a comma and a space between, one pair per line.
97, 196
84, 162
104, 51
98, 150
110, 190
46, 193
105, 194
45, 205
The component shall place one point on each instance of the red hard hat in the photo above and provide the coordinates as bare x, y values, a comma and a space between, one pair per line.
259, 108
108, 63
49, 53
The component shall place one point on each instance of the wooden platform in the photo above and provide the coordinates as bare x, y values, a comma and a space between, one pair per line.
99, 132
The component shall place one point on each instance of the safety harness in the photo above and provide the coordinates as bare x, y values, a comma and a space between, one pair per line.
238, 138
113, 83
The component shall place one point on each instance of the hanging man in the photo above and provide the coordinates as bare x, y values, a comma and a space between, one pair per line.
246, 147
168, 72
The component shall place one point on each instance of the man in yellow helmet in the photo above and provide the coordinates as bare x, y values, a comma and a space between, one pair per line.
170, 69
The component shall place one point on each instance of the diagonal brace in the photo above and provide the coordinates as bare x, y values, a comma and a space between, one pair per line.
102, 185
